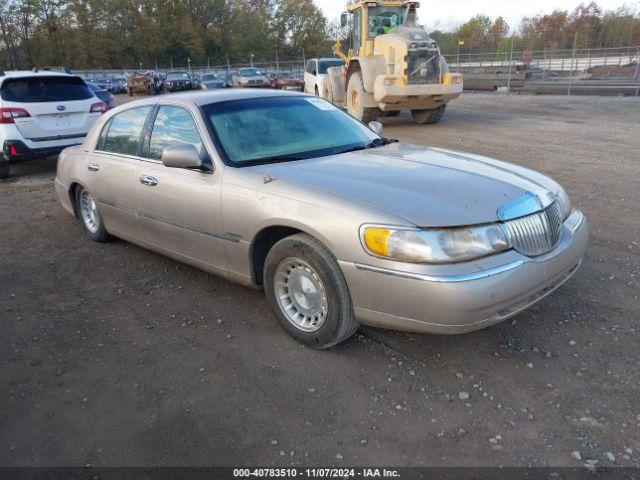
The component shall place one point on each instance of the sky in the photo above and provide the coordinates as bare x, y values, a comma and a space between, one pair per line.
446, 14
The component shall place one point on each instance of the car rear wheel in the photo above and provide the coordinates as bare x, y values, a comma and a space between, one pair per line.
90, 216
307, 291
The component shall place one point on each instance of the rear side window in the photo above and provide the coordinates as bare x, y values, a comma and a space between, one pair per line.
173, 126
44, 89
123, 131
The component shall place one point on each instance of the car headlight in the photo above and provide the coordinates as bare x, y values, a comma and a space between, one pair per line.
446, 245
565, 203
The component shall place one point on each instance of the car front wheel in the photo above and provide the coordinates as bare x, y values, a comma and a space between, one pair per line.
90, 216
308, 293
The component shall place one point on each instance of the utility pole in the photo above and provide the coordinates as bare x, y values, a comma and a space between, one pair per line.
636, 74
252, 60
277, 61
228, 65
573, 59
171, 63
510, 68
460, 42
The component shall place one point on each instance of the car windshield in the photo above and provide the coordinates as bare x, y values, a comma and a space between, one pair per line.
178, 76
276, 129
250, 72
323, 65
209, 77
383, 19
94, 87
283, 75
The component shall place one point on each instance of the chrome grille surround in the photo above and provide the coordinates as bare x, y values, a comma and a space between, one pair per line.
536, 234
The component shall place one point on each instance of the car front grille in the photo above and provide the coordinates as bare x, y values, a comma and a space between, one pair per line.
536, 234
423, 67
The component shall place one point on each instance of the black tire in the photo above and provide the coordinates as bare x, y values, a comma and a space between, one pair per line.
355, 100
129, 92
100, 233
339, 323
4, 170
392, 113
428, 117
317, 91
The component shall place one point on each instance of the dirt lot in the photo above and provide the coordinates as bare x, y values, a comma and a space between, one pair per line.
113, 355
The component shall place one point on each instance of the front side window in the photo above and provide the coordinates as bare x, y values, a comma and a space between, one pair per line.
357, 29
311, 67
264, 130
124, 131
44, 89
383, 19
173, 126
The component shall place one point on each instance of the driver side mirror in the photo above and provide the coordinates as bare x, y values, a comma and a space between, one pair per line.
376, 127
344, 19
183, 155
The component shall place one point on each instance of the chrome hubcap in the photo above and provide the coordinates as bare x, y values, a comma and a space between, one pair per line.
301, 295
89, 212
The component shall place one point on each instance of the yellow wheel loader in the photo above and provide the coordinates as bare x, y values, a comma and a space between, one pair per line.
392, 65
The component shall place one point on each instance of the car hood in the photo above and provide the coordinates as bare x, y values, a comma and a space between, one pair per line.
427, 187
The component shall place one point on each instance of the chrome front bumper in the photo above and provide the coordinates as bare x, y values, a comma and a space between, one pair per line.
419, 300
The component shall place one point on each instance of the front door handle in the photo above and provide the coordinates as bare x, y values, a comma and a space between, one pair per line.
94, 167
149, 181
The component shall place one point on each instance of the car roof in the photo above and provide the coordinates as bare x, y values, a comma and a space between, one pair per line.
204, 97
29, 73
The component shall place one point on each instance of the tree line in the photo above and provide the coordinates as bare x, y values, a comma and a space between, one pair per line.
130, 34
585, 27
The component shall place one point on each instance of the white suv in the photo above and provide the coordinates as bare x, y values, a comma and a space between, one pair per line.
42, 113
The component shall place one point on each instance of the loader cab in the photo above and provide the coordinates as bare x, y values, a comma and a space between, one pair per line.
372, 19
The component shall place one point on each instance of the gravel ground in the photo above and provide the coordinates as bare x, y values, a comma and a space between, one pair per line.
113, 355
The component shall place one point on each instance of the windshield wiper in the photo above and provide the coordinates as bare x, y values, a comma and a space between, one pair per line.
376, 142
281, 158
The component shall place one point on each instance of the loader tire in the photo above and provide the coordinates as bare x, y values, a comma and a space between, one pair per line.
355, 100
428, 117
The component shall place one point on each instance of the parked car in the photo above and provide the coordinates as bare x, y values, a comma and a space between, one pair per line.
228, 77
104, 83
250, 78
118, 85
338, 225
315, 71
178, 81
144, 83
103, 95
211, 80
285, 81
43, 113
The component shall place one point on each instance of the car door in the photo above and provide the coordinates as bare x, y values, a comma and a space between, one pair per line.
179, 208
113, 171
310, 73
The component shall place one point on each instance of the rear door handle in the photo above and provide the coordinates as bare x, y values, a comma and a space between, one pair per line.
94, 167
149, 181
